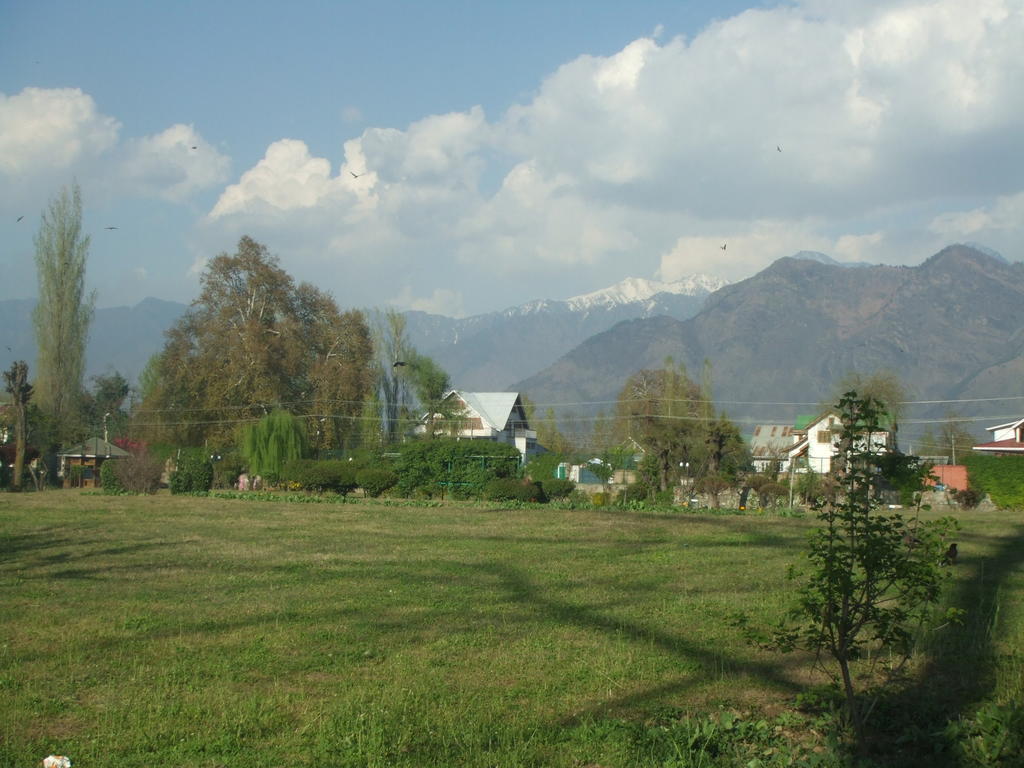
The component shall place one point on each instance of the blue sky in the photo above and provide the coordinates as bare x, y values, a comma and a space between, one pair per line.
507, 152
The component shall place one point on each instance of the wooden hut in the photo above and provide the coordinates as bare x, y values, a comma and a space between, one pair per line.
90, 456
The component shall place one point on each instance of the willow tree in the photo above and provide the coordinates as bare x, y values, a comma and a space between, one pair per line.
64, 312
275, 439
392, 346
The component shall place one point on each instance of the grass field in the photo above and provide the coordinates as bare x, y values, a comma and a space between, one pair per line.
180, 631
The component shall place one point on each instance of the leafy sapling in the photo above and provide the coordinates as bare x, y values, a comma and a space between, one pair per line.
864, 588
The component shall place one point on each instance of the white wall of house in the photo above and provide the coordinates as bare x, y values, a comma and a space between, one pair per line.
823, 442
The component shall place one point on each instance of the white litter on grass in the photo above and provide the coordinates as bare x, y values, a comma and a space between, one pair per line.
56, 761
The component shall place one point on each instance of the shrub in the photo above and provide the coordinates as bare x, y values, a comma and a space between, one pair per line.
543, 467
136, 473
320, 476
226, 470
968, 499
193, 473
769, 493
375, 481
509, 489
461, 468
556, 488
109, 480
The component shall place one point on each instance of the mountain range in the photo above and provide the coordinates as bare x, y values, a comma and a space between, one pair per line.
491, 351
950, 329
121, 339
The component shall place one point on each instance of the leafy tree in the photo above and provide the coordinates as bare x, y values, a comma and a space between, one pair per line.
661, 411
274, 440
64, 312
546, 427
16, 383
885, 387
714, 485
430, 384
338, 368
104, 406
393, 348
867, 589
251, 341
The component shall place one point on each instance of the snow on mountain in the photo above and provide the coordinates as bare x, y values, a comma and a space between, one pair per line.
637, 289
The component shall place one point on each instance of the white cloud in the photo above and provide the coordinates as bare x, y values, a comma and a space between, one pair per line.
441, 301
43, 129
287, 177
746, 250
173, 164
1005, 214
48, 136
799, 127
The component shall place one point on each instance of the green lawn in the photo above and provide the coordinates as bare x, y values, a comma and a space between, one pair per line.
206, 632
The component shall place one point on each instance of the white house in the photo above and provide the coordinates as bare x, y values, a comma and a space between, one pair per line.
769, 446
497, 416
1006, 439
818, 443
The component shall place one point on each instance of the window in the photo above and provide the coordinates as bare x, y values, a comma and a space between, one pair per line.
824, 436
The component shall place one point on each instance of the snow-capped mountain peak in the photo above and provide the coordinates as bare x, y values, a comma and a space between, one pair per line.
636, 289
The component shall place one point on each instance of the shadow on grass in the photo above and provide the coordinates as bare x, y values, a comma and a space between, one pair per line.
710, 659
962, 662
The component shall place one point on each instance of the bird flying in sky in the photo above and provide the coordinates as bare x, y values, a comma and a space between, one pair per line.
110, 227
722, 246
19, 219
356, 175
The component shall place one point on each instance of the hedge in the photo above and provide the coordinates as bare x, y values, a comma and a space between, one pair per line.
509, 489
1001, 477
319, 476
458, 468
375, 481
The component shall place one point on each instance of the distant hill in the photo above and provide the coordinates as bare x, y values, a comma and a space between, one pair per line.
121, 338
491, 351
952, 327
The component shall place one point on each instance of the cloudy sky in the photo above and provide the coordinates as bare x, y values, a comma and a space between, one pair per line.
461, 157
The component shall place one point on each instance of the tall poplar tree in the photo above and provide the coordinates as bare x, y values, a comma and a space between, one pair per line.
64, 312
16, 382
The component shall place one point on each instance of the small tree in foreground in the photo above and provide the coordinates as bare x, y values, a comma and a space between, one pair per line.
874, 579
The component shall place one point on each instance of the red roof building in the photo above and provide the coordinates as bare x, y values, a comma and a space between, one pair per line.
1007, 439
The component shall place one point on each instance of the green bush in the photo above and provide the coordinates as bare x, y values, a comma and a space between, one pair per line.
510, 489
543, 467
459, 468
109, 480
1001, 477
194, 472
556, 488
319, 476
375, 481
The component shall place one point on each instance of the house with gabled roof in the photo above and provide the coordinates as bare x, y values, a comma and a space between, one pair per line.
1007, 439
90, 456
769, 446
817, 442
496, 416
